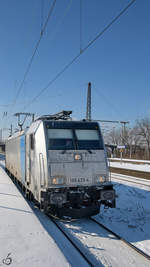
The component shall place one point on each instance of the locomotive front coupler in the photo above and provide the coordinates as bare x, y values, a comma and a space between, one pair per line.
108, 204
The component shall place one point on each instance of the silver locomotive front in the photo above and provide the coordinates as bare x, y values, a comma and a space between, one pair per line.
78, 180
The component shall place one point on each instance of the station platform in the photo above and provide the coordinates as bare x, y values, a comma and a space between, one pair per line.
23, 240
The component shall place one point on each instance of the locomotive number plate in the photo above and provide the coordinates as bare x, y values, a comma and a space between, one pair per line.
79, 180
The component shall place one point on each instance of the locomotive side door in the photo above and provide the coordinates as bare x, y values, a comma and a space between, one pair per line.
28, 161
29, 158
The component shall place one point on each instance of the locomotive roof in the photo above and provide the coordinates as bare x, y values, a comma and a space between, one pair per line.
62, 124
71, 124
56, 124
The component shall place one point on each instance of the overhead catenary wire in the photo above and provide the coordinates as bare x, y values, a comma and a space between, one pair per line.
61, 20
35, 50
42, 13
110, 104
80, 26
78, 55
53, 34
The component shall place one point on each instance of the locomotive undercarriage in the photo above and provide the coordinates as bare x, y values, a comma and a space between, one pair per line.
77, 202
72, 202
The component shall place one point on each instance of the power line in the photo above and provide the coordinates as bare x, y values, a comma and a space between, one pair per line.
109, 25
110, 104
61, 20
42, 12
57, 26
78, 55
35, 50
80, 26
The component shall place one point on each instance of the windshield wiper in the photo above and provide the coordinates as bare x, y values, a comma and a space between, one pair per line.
89, 151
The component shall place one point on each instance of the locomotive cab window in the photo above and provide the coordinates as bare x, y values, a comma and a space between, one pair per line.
32, 141
89, 139
72, 135
60, 139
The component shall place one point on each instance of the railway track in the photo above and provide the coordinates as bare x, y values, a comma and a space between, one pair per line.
135, 173
138, 162
70, 239
80, 249
123, 178
31, 204
122, 239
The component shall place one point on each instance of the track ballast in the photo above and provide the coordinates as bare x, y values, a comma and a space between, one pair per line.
139, 251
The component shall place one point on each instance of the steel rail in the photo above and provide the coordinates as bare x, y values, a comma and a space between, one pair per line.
134, 182
139, 251
92, 219
128, 176
138, 162
70, 240
53, 220
130, 172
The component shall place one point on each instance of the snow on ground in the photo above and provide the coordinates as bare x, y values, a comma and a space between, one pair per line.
73, 256
22, 237
130, 179
101, 247
132, 160
30, 243
130, 166
131, 217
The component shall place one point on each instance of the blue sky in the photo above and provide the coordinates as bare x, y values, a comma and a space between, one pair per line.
117, 64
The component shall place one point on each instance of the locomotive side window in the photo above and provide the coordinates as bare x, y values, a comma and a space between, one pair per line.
89, 139
60, 139
32, 141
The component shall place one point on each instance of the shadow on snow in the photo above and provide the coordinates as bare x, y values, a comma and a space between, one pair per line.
131, 217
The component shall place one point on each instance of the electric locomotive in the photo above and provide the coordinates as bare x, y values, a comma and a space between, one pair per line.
62, 165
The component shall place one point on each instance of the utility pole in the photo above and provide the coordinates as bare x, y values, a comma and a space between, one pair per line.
11, 130
123, 130
1, 135
88, 107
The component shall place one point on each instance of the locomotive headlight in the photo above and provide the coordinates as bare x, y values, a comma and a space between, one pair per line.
58, 180
100, 179
77, 157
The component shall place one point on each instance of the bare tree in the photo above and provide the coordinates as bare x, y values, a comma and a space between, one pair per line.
114, 137
136, 139
129, 137
143, 127
131, 140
